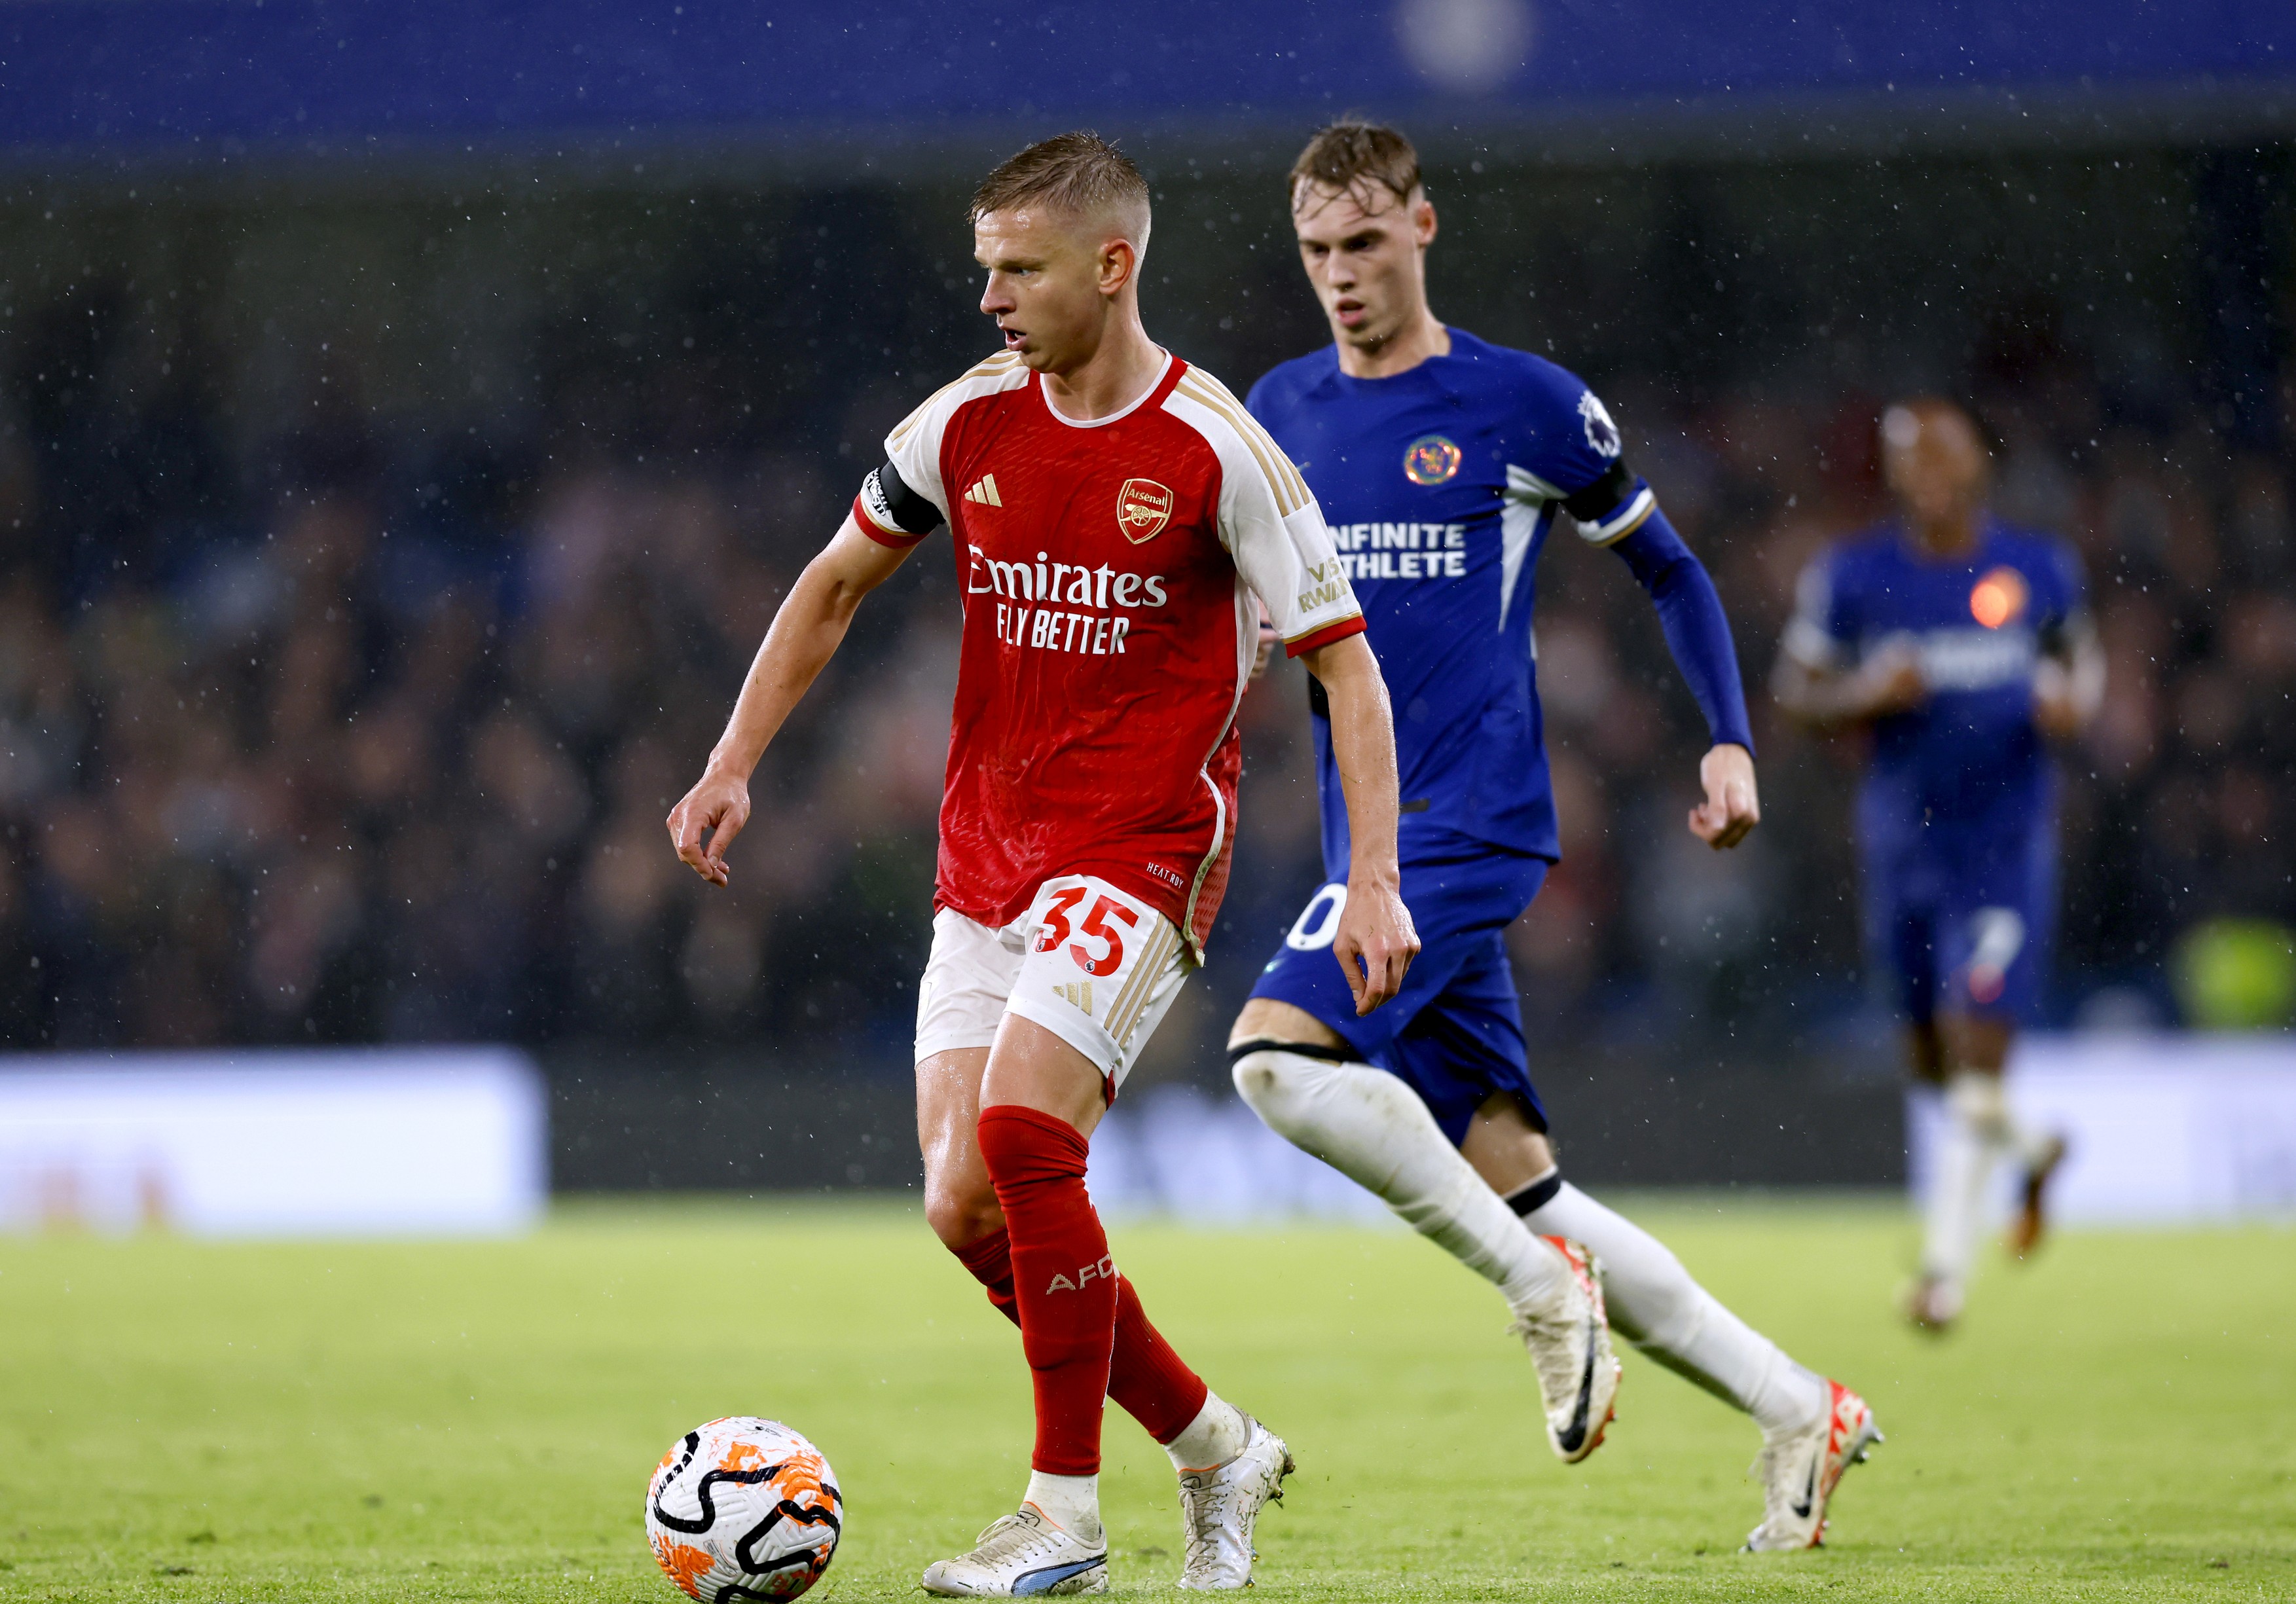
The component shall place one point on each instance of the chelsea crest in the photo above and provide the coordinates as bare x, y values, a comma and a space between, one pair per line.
1431, 459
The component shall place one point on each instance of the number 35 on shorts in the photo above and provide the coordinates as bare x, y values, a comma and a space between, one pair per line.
1100, 969
1091, 920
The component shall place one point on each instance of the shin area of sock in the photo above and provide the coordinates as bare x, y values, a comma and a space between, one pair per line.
1148, 1379
1954, 1208
1655, 1303
1063, 1274
989, 1261
1375, 1130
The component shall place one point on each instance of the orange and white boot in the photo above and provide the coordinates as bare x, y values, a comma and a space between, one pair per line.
2032, 1219
1800, 1470
1569, 1336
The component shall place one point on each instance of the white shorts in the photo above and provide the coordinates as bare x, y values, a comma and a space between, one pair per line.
1094, 965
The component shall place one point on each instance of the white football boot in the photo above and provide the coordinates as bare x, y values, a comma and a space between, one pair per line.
1931, 1303
1220, 1507
1800, 1470
1020, 1556
1569, 1344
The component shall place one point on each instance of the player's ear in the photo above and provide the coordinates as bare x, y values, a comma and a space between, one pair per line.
1119, 264
1422, 222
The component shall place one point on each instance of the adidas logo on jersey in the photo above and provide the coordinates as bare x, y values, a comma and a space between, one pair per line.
984, 491
1078, 992
1105, 1271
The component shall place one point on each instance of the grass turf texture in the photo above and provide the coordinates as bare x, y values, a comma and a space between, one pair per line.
476, 1422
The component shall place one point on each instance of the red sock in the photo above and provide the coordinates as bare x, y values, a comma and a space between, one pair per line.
1148, 1380
991, 1260
1063, 1277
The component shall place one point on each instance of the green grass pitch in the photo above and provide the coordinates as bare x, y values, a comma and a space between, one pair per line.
234, 1423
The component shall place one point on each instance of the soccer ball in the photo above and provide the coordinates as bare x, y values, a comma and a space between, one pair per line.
743, 1508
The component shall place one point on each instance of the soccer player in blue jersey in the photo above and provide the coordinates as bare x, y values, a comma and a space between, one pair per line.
1443, 464
1963, 647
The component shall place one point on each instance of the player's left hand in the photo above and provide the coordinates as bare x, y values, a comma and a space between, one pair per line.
1732, 808
717, 806
1376, 941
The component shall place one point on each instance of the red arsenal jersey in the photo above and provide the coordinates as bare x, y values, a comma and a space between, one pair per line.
1108, 569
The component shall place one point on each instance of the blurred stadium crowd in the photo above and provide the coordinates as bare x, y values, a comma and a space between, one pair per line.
363, 728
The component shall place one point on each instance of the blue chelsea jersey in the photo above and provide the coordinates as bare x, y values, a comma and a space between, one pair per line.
1969, 759
1441, 485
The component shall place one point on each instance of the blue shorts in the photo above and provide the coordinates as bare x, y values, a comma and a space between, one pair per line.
1966, 924
1454, 1033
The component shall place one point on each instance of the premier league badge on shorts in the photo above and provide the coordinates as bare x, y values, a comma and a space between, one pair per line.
1431, 459
1142, 508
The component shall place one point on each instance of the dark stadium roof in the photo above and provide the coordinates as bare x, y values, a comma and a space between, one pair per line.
202, 81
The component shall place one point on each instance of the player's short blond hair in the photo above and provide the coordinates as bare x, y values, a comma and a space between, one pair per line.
1078, 173
1355, 151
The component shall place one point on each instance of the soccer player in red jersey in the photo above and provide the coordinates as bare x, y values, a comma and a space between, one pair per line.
1114, 514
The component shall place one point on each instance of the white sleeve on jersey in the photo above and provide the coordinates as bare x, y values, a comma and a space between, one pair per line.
914, 448
1809, 638
1268, 518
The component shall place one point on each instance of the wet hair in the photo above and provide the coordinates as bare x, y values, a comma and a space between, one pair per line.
1355, 151
1078, 173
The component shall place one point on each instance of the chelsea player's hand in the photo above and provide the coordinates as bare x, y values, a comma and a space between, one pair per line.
1375, 942
1890, 682
1732, 808
2057, 710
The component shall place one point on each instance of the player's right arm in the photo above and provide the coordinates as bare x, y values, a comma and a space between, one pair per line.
1273, 528
2069, 681
900, 504
1376, 941
1832, 700
805, 635
1819, 680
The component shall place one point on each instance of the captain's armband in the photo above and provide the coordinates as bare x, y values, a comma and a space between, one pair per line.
890, 512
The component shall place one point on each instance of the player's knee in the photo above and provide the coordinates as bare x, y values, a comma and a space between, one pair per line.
1272, 1080
960, 1214
1300, 1097
1257, 1076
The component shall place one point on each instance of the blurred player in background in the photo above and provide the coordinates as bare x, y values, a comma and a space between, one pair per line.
1446, 462
1963, 647
1113, 512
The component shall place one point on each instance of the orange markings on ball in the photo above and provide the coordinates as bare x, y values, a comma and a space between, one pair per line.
803, 1473
683, 1564
743, 1507
743, 1456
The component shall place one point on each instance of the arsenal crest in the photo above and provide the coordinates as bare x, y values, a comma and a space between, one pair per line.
1142, 508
